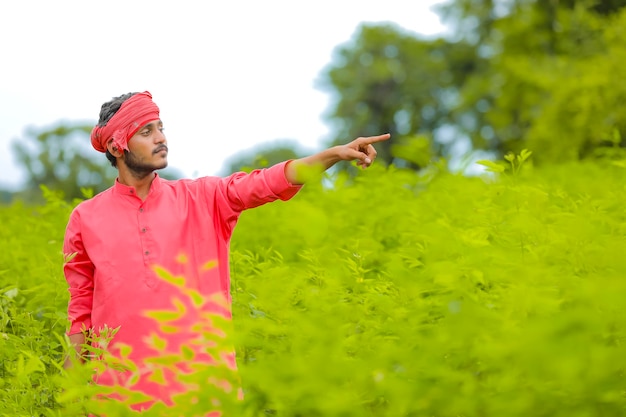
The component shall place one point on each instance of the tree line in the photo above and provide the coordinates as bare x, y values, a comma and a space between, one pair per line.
545, 75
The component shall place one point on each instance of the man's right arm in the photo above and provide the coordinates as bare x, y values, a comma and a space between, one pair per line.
79, 273
77, 341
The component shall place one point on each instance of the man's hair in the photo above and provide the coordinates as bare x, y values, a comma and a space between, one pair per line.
106, 113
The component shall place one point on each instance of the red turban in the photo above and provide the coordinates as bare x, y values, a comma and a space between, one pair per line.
135, 112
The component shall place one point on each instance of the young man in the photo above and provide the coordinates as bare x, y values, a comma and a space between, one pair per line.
114, 241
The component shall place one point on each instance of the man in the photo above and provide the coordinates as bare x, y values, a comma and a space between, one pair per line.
115, 240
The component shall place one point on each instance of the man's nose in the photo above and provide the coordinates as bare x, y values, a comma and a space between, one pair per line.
159, 137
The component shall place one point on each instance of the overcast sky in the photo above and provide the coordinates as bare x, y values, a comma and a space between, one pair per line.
226, 75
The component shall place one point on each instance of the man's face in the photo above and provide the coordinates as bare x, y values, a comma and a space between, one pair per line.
147, 149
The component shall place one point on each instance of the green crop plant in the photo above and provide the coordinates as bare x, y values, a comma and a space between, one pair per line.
395, 294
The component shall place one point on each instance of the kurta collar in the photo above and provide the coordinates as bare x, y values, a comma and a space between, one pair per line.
129, 190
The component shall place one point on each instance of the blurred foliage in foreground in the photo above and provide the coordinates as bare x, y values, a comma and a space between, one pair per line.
400, 294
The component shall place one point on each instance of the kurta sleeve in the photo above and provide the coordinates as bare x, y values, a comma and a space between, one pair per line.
241, 191
79, 273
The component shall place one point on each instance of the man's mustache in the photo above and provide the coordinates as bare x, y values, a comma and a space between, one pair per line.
159, 149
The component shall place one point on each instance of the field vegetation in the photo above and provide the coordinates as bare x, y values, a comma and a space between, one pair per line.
392, 293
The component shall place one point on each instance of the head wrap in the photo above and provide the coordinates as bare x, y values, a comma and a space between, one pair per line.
135, 112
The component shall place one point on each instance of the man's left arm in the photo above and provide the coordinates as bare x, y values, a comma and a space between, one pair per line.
361, 150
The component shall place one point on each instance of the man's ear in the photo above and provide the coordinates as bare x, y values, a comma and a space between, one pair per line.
113, 150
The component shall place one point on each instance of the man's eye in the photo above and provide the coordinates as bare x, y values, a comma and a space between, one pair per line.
145, 132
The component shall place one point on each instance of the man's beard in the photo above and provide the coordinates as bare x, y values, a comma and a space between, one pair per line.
138, 168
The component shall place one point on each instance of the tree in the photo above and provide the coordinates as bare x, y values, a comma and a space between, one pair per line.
543, 75
388, 80
552, 80
58, 157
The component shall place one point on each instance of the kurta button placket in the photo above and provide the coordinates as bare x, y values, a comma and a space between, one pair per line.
149, 279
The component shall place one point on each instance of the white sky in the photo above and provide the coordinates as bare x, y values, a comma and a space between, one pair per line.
227, 75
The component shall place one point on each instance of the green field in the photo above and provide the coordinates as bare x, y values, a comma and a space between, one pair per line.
397, 294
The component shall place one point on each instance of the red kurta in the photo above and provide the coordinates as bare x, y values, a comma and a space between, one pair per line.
181, 226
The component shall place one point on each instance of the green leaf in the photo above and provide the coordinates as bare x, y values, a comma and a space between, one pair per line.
187, 352
163, 316
491, 166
